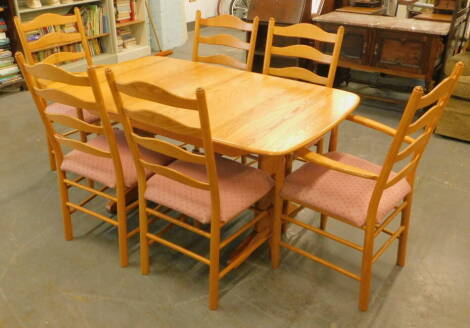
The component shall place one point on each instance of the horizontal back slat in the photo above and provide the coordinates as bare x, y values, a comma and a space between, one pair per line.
154, 93
54, 95
402, 173
298, 73
56, 74
225, 40
61, 57
412, 148
54, 40
424, 120
302, 51
75, 123
81, 146
157, 119
222, 60
175, 175
227, 21
48, 19
436, 93
307, 31
169, 149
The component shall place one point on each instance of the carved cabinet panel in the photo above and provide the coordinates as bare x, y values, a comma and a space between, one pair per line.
401, 51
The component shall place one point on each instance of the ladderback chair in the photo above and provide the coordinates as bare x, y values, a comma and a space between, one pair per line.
105, 159
227, 40
209, 189
312, 33
52, 41
363, 194
55, 38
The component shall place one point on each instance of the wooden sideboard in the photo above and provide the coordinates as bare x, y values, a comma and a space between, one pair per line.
396, 46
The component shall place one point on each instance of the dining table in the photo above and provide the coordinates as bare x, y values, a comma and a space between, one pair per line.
250, 113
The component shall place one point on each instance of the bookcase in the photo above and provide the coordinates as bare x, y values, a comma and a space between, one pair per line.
107, 37
9, 72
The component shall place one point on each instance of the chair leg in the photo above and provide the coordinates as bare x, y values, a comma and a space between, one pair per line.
122, 229
51, 156
276, 233
403, 239
366, 271
64, 196
320, 146
214, 266
144, 242
323, 221
333, 144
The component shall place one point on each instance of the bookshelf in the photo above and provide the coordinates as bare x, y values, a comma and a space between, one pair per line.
9, 73
108, 40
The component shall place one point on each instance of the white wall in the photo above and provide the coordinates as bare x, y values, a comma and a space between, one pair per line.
207, 7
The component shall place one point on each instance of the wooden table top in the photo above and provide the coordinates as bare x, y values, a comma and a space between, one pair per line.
434, 17
248, 111
361, 10
385, 23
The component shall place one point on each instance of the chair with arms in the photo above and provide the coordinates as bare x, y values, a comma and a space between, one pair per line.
105, 159
363, 194
208, 188
53, 41
303, 51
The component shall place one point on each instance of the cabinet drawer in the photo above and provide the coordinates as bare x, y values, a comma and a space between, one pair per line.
355, 43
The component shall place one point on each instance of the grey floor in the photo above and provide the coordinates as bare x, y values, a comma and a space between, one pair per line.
48, 282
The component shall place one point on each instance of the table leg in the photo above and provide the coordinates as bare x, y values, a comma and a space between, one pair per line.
275, 166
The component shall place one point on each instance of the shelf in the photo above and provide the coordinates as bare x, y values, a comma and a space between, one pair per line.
136, 21
7, 84
24, 10
102, 35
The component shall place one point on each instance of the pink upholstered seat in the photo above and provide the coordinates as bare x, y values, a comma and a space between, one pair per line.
101, 169
240, 186
341, 194
56, 108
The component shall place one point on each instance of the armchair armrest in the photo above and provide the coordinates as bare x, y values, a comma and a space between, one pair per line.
376, 126
316, 158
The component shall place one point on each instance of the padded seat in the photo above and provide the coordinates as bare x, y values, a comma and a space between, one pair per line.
240, 186
56, 108
101, 169
340, 194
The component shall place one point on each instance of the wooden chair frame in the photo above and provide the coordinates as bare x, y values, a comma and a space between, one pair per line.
227, 40
313, 33
55, 40
34, 76
156, 94
425, 125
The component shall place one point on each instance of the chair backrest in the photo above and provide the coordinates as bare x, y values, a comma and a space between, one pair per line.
127, 97
303, 31
54, 25
226, 21
84, 93
415, 134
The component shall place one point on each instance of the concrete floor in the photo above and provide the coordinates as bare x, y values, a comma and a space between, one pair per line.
48, 282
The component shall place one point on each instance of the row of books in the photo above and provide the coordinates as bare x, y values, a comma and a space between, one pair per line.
95, 23
94, 20
124, 10
96, 48
9, 71
125, 38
